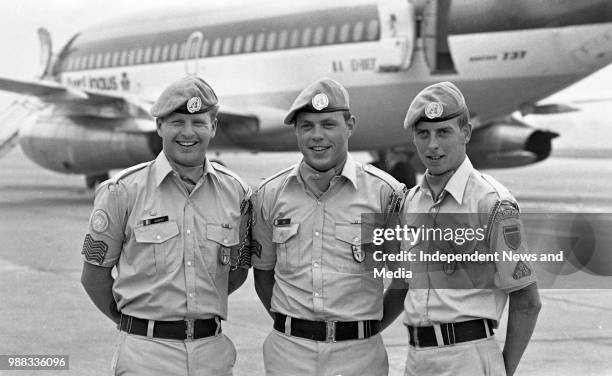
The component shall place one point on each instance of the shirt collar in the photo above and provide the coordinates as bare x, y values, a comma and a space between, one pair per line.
162, 168
458, 182
349, 170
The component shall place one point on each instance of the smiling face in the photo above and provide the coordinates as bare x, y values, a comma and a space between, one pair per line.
185, 137
323, 138
441, 146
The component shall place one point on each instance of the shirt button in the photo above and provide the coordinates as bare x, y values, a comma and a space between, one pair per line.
316, 264
152, 213
157, 236
188, 263
316, 176
188, 232
316, 293
319, 203
191, 295
356, 239
224, 241
316, 233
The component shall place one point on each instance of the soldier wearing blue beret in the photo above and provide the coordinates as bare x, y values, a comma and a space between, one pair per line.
452, 308
313, 274
175, 230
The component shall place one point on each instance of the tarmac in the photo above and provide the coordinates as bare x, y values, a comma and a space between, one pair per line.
44, 309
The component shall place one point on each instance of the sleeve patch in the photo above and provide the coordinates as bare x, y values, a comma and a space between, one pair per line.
512, 236
99, 221
94, 250
521, 270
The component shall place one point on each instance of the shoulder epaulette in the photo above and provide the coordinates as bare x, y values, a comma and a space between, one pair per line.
276, 175
502, 192
128, 171
226, 171
387, 178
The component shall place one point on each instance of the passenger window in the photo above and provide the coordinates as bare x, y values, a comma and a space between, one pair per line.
358, 32
227, 45
295, 35
271, 41
306, 37
173, 52
216, 47
238, 44
182, 50
282, 39
344, 33
318, 36
147, 55
372, 33
99, 60
115, 61
204, 51
124, 57
259, 44
107, 59
331, 34
131, 57
248, 43
165, 52
156, 53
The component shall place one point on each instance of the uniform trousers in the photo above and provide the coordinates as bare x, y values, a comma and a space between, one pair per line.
473, 358
291, 356
140, 355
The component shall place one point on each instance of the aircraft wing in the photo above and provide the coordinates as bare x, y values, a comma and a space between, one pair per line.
80, 102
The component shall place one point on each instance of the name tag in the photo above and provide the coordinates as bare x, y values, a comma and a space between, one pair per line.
152, 221
282, 222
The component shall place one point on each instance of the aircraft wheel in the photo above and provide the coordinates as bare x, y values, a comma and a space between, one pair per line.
92, 181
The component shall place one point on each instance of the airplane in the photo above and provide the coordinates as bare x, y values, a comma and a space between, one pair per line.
88, 113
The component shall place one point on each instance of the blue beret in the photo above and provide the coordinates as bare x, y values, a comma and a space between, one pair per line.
189, 95
436, 103
323, 95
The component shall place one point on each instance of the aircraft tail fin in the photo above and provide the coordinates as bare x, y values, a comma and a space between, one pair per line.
14, 116
46, 52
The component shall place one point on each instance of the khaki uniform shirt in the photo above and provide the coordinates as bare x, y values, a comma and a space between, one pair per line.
313, 244
170, 248
475, 201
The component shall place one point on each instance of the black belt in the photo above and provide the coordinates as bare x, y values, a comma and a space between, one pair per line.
451, 333
180, 330
328, 331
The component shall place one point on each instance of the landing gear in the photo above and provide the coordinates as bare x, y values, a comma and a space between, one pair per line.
92, 181
397, 164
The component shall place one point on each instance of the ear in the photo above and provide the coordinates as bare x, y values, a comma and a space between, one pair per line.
351, 124
467, 132
213, 128
158, 122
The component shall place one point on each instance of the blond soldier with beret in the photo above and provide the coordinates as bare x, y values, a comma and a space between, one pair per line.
312, 272
172, 229
451, 309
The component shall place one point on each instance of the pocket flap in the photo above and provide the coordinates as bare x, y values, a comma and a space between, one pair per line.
227, 237
280, 234
350, 233
156, 233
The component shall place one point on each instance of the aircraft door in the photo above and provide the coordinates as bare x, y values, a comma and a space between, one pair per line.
435, 37
397, 34
192, 52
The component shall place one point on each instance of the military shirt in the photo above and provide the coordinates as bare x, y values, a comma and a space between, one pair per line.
442, 292
314, 244
170, 248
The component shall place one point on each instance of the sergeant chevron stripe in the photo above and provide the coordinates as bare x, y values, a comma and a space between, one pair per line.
94, 250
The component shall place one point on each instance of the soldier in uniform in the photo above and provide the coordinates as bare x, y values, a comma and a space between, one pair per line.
451, 309
172, 228
312, 272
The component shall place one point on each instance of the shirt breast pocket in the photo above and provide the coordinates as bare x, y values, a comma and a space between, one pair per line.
353, 253
287, 246
163, 238
220, 239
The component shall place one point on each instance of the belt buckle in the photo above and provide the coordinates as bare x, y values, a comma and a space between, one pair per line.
451, 341
189, 330
330, 331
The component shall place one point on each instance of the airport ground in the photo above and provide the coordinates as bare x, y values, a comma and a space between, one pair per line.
44, 310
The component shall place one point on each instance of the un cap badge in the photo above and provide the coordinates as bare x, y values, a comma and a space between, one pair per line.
434, 110
320, 101
194, 104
